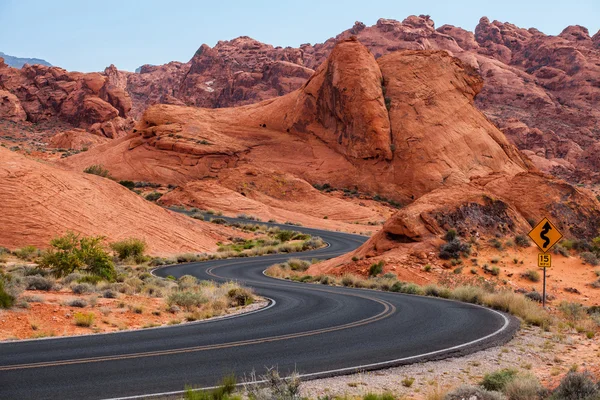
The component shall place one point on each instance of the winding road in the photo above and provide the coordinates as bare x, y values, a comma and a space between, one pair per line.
314, 329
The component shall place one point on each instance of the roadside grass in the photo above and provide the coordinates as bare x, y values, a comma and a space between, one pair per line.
502, 300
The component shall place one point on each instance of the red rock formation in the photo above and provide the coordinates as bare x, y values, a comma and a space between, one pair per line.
39, 93
10, 107
530, 79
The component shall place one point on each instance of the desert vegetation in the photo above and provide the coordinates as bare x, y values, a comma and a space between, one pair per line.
585, 320
267, 240
105, 287
502, 384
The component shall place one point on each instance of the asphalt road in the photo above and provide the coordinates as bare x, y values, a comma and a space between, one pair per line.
314, 329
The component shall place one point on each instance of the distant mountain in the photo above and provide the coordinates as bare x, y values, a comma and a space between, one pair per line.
18, 62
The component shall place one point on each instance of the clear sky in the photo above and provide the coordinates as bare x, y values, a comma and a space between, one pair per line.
88, 35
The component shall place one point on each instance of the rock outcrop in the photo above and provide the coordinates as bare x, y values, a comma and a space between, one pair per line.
546, 85
408, 129
39, 93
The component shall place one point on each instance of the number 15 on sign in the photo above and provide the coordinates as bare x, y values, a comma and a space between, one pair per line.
544, 260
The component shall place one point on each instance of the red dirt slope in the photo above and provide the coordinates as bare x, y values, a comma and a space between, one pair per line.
39, 202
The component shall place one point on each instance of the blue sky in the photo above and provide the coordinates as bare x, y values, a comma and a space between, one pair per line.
87, 35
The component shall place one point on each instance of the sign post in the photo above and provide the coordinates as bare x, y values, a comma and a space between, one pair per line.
545, 235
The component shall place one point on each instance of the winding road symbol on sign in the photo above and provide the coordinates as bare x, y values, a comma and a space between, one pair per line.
545, 235
545, 229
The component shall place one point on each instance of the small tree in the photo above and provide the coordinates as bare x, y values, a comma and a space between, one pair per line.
130, 247
72, 252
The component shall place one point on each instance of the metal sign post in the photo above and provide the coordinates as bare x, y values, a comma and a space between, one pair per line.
545, 236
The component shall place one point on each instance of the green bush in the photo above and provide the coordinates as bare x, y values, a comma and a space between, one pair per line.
223, 392
97, 170
129, 248
153, 196
27, 253
6, 300
376, 268
497, 380
382, 396
128, 184
72, 252
453, 249
450, 235
284, 235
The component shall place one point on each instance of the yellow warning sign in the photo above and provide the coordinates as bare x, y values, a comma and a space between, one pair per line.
545, 235
544, 260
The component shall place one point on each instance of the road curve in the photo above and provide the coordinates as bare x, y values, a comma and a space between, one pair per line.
314, 329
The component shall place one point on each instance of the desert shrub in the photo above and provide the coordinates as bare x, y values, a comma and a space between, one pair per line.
348, 280
312, 243
284, 235
129, 248
37, 282
296, 264
275, 387
27, 253
497, 380
240, 296
84, 319
128, 184
535, 296
531, 275
72, 277
380, 396
109, 294
82, 288
522, 240
81, 303
589, 258
450, 235
559, 249
186, 299
72, 252
473, 392
153, 196
97, 170
6, 299
575, 386
218, 221
454, 249
524, 387
573, 312
376, 268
